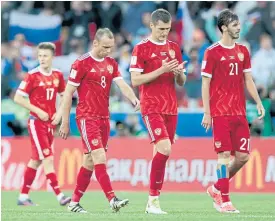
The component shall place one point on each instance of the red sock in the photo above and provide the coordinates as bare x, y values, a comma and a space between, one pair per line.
224, 188
104, 180
29, 177
157, 173
83, 180
53, 182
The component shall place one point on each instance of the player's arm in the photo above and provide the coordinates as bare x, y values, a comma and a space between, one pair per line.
138, 78
180, 74
24, 90
180, 71
128, 92
64, 111
251, 88
205, 94
24, 102
249, 83
206, 72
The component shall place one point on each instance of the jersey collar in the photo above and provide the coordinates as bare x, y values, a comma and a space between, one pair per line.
157, 43
96, 59
228, 47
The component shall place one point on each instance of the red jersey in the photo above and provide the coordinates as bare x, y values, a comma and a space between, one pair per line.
93, 77
42, 89
226, 67
158, 96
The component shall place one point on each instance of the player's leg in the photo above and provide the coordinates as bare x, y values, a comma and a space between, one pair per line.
32, 167
29, 177
100, 168
43, 136
223, 146
83, 180
85, 173
241, 145
155, 124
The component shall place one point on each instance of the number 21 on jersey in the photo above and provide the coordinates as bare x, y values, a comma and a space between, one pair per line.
233, 68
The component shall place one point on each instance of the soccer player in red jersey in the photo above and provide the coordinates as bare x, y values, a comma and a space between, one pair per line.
92, 75
41, 85
155, 66
226, 70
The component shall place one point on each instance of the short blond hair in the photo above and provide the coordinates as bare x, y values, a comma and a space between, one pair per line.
103, 31
47, 45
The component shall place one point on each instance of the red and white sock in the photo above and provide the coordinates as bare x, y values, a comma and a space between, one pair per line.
104, 181
157, 173
29, 177
54, 184
82, 183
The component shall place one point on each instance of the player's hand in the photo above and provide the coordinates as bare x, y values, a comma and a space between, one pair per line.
136, 103
206, 121
261, 111
179, 69
64, 130
56, 118
169, 66
43, 115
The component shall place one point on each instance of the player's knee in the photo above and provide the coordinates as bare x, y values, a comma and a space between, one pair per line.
164, 147
99, 156
88, 161
243, 157
34, 164
48, 165
224, 155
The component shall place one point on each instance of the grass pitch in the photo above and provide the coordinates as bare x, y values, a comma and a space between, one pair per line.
180, 206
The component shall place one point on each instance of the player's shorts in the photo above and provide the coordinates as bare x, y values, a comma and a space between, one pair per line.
41, 134
94, 133
231, 133
161, 126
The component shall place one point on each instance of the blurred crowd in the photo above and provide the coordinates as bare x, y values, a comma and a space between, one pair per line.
193, 28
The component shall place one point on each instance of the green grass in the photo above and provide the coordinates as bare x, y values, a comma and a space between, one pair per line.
180, 206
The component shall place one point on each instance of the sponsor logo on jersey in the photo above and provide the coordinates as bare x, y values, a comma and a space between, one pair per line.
203, 64
153, 55
162, 53
218, 144
231, 57
110, 69
158, 131
172, 53
92, 70
95, 142
41, 83
223, 58
134, 60
49, 83
73, 73
56, 82
241, 56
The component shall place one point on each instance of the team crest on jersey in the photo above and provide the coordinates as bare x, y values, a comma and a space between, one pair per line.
46, 151
158, 131
218, 144
95, 142
110, 69
56, 82
172, 54
241, 56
